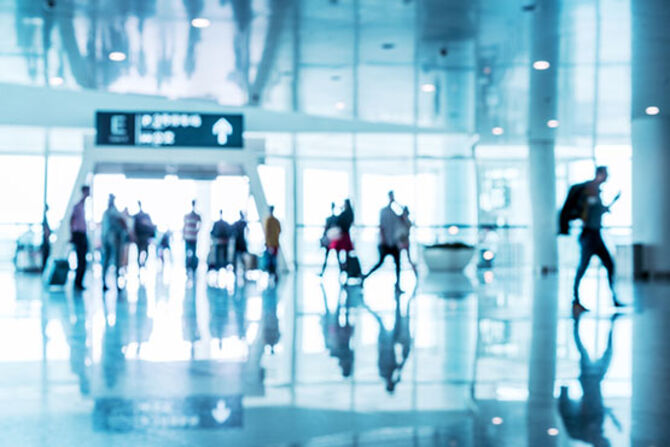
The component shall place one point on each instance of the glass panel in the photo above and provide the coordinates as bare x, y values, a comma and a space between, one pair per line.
22, 180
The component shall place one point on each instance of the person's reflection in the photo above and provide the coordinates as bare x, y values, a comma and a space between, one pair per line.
584, 419
270, 318
193, 10
27, 23
142, 10
393, 345
338, 331
78, 347
242, 16
218, 313
115, 338
143, 324
240, 305
189, 322
72, 314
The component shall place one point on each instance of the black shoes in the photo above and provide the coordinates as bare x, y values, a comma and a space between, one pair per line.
578, 309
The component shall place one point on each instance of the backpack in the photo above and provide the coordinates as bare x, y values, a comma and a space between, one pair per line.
572, 208
220, 230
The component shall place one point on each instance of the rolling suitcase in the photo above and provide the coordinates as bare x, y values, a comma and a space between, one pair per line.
353, 267
58, 272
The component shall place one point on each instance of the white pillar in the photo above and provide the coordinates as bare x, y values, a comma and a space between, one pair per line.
542, 108
650, 406
460, 197
650, 134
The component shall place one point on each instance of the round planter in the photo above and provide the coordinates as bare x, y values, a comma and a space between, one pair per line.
448, 258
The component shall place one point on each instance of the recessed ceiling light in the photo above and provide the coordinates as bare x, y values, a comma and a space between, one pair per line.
541, 65
497, 420
339, 105
652, 110
55, 81
117, 56
200, 22
553, 431
497, 130
453, 230
553, 124
428, 88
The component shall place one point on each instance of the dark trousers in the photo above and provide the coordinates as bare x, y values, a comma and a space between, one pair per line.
591, 243
111, 255
271, 254
46, 251
81, 248
191, 254
221, 255
238, 256
384, 251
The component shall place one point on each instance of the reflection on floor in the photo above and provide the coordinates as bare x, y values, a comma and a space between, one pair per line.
488, 359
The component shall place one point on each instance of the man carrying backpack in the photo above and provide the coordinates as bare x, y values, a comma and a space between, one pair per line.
144, 230
584, 202
220, 232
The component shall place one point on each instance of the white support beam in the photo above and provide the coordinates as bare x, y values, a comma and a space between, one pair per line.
52, 107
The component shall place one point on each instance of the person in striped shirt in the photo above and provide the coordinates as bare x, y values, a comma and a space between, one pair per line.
192, 222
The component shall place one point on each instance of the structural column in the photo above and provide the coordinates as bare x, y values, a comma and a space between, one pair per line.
650, 406
460, 191
543, 108
650, 134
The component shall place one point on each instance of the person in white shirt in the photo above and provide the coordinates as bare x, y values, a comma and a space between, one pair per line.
388, 243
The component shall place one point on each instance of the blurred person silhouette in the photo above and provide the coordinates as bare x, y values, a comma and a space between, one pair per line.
338, 331
220, 234
144, 230
114, 233
584, 419
402, 235
78, 227
586, 199
45, 247
239, 233
329, 230
164, 246
125, 251
343, 243
272, 229
388, 242
192, 222
393, 345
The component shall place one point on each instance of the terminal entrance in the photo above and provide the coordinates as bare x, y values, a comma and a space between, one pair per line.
168, 199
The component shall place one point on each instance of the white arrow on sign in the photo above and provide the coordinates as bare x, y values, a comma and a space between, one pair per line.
221, 413
222, 129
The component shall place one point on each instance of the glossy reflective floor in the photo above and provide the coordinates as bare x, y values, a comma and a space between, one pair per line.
493, 358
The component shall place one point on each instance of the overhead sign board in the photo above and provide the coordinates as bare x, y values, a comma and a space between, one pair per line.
169, 129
